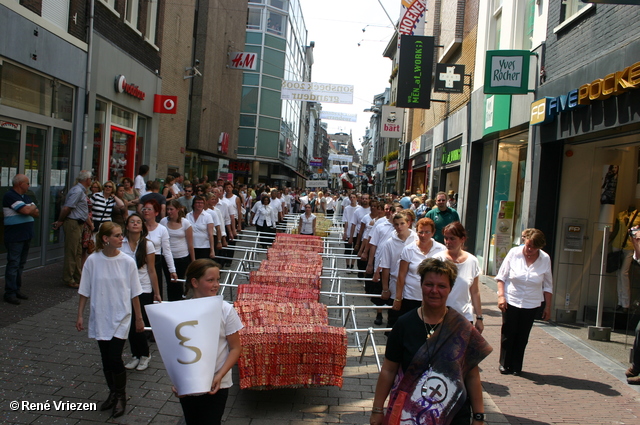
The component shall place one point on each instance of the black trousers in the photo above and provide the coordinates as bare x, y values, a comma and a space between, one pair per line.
266, 232
175, 290
138, 340
516, 327
636, 349
111, 353
205, 409
159, 265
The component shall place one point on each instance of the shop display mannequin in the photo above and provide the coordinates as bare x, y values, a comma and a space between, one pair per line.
623, 224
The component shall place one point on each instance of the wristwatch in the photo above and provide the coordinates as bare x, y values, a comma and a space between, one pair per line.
479, 318
478, 417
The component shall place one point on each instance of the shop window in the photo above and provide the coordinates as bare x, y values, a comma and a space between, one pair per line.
62, 107
34, 169
140, 141
25, 90
122, 156
59, 176
9, 160
254, 19
121, 117
99, 126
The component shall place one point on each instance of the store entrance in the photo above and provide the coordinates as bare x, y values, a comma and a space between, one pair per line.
122, 156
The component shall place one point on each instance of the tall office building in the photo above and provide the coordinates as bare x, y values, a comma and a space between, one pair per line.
271, 143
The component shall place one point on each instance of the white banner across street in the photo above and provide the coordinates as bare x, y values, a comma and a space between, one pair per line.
316, 92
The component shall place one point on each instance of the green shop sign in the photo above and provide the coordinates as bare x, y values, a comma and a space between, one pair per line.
507, 72
448, 153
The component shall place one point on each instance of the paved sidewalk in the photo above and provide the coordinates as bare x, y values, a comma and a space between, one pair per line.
44, 359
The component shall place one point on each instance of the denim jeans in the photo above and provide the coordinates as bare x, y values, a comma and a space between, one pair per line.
17, 253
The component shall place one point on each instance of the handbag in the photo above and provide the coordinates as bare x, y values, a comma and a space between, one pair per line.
615, 258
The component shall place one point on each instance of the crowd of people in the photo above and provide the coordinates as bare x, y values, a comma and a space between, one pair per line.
408, 251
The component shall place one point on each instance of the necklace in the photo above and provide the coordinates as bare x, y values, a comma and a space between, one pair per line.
427, 327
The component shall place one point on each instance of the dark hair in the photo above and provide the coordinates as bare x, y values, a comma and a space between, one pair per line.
177, 205
198, 198
141, 250
442, 267
196, 270
456, 229
128, 179
144, 169
265, 197
106, 229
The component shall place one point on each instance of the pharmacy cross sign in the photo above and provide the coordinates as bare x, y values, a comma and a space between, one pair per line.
450, 78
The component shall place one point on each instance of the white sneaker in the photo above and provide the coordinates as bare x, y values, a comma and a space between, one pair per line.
144, 363
132, 364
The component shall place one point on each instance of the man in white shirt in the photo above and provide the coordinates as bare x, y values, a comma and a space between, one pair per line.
276, 204
140, 182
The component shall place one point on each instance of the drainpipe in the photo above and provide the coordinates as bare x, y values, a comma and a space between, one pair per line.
85, 124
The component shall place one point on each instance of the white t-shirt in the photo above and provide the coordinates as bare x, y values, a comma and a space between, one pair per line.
178, 238
229, 325
412, 255
307, 224
224, 209
200, 229
460, 297
276, 205
330, 203
140, 185
356, 219
390, 257
143, 272
110, 283
346, 216
160, 238
232, 207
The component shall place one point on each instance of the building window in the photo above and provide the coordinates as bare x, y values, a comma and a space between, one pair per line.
497, 24
254, 19
111, 5
276, 24
25, 90
280, 4
568, 8
529, 19
56, 11
152, 19
131, 13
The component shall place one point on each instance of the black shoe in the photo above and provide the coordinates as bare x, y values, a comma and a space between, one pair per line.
505, 371
21, 296
12, 300
517, 372
378, 320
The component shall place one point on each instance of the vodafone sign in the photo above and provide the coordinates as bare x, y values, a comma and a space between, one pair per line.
165, 104
122, 86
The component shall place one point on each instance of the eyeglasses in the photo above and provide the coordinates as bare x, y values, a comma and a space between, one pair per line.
147, 209
108, 186
425, 232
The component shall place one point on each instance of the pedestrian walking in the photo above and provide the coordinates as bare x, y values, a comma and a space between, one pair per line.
102, 204
73, 215
110, 282
141, 250
181, 242
442, 215
203, 279
19, 212
524, 280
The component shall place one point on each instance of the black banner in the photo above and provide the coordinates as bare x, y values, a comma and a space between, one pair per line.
449, 78
414, 71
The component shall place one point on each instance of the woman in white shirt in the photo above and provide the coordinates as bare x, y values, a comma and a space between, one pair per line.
203, 279
263, 220
307, 224
330, 205
408, 291
181, 242
202, 225
218, 222
110, 282
524, 280
390, 259
141, 250
160, 238
465, 294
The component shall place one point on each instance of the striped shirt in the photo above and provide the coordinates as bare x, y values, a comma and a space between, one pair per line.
17, 227
102, 207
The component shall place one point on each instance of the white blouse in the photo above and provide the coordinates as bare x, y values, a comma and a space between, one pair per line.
525, 285
412, 255
390, 257
200, 229
460, 296
307, 224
